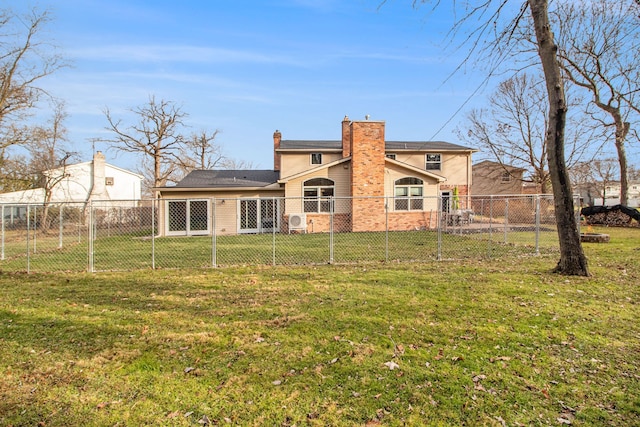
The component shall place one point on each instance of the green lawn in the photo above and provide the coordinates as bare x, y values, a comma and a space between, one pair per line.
118, 252
491, 342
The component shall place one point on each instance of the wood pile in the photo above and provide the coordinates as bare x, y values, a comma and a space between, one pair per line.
611, 216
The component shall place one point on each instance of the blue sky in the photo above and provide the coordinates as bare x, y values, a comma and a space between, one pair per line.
248, 68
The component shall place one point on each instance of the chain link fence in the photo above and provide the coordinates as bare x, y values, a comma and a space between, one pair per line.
218, 232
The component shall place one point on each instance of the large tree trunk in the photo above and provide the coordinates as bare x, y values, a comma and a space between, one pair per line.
572, 259
622, 129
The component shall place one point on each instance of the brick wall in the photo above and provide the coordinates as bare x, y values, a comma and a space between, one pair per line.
367, 175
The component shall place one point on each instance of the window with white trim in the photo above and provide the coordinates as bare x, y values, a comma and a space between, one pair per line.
408, 194
391, 156
506, 177
318, 193
433, 162
187, 217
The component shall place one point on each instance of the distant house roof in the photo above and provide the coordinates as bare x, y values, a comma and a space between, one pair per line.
389, 145
228, 178
490, 163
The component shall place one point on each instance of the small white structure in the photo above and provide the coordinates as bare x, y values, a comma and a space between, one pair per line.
82, 183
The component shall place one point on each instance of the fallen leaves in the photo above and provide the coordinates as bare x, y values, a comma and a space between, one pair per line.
391, 365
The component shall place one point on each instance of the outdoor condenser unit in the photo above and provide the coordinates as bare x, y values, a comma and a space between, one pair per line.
297, 222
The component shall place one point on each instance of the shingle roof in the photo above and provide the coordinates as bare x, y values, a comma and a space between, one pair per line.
229, 178
288, 144
425, 146
389, 145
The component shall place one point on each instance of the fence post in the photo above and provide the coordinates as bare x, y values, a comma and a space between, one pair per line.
214, 241
537, 224
439, 225
28, 232
331, 209
60, 228
490, 226
153, 233
35, 231
506, 219
386, 227
2, 236
274, 210
90, 237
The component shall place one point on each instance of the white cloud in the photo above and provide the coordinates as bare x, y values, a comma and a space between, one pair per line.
176, 53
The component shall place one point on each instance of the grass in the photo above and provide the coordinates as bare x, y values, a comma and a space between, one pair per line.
133, 251
500, 342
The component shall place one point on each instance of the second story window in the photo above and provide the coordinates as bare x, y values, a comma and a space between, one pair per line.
316, 158
433, 162
391, 156
506, 177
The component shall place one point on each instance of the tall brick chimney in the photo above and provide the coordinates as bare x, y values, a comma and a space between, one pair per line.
277, 137
367, 175
346, 137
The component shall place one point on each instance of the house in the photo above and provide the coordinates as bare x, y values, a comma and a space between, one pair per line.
78, 183
315, 185
493, 178
608, 194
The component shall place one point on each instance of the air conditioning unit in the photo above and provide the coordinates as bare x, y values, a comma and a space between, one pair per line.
297, 222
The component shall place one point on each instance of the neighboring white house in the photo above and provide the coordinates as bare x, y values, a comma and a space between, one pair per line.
82, 183
612, 194
597, 194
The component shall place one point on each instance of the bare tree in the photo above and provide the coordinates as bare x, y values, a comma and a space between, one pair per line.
572, 259
13, 173
48, 158
490, 21
199, 151
594, 177
233, 164
514, 125
155, 138
26, 56
599, 47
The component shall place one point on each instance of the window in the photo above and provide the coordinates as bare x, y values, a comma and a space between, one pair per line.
408, 194
391, 156
506, 177
433, 162
187, 217
316, 158
318, 193
108, 180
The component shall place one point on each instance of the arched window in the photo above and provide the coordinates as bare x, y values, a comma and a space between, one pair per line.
317, 195
408, 192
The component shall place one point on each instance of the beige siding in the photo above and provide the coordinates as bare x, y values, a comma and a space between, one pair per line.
339, 174
455, 167
225, 207
294, 163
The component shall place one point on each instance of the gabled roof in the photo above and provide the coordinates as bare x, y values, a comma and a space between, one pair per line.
416, 170
311, 171
325, 145
228, 179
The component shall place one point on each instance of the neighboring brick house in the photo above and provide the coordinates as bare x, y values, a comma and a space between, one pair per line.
345, 184
493, 178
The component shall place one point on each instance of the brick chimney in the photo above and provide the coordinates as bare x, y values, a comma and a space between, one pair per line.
98, 189
277, 137
367, 175
346, 137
